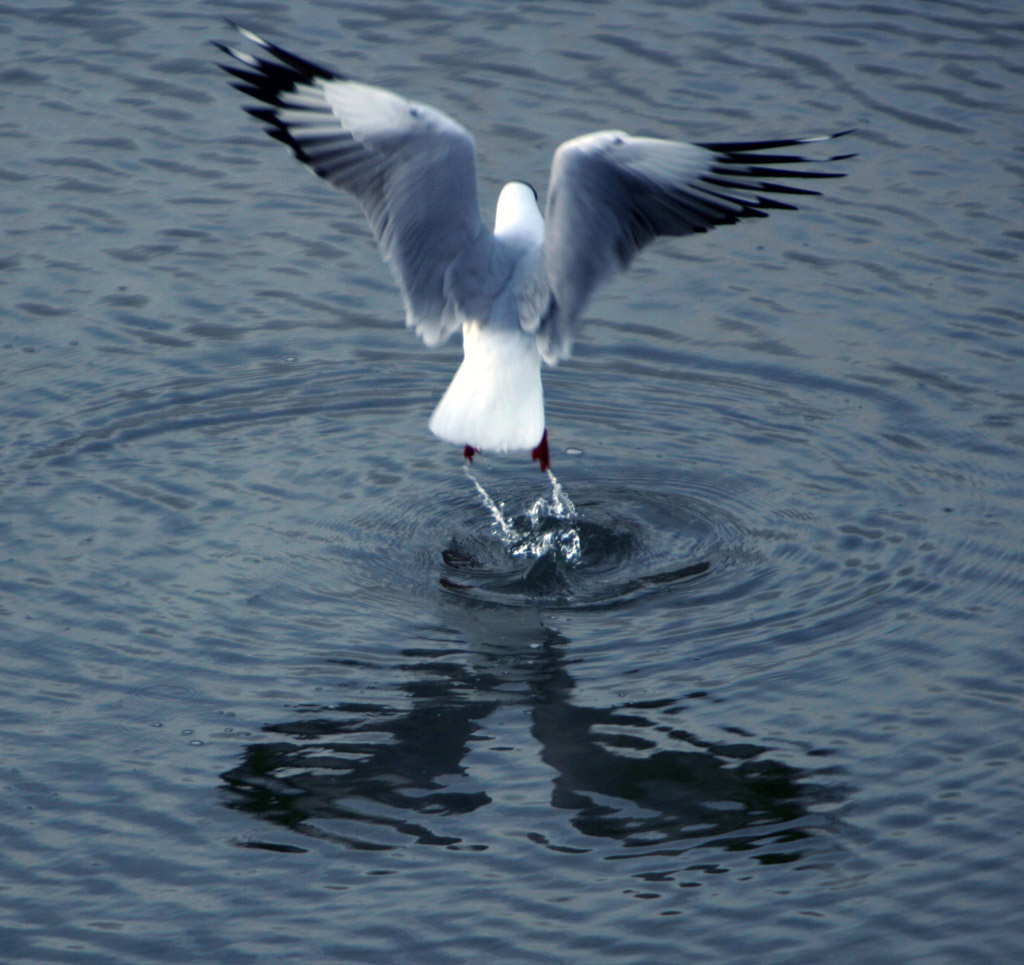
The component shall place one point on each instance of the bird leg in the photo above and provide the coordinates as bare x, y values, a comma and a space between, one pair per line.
469, 452
541, 454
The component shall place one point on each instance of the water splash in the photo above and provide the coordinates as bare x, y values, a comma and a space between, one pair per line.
545, 528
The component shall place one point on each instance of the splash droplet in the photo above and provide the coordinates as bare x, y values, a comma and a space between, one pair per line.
546, 528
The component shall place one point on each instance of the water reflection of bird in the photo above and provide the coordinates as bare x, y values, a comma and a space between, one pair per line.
516, 291
373, 776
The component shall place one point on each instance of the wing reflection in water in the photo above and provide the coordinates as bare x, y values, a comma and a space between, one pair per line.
373, 776
628, 776
350, 767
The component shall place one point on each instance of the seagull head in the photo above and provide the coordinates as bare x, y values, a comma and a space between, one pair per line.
518, 214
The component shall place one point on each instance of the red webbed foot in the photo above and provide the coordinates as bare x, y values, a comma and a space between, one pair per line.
541, 454
469, 452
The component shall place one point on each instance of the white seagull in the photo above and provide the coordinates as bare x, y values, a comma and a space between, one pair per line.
516, 291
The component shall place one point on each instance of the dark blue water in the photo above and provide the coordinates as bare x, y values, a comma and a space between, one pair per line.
275, 687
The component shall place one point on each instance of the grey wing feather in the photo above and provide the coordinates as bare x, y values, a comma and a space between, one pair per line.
412, 168
610, 194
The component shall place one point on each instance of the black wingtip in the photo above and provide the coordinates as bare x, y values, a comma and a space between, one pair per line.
738, 147
265, 114
299, 64
248, 34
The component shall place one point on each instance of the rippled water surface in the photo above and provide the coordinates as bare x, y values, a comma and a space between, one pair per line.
283, 681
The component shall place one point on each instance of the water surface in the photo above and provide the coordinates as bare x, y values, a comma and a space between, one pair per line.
277, 686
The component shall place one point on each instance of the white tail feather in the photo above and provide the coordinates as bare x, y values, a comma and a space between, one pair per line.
496, 401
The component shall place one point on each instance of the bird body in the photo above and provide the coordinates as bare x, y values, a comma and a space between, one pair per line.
495, 403
516, 291
496, 400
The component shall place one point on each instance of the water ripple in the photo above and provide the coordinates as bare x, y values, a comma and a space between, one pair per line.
617, 546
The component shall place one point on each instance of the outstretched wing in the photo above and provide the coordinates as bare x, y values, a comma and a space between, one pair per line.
610, 194
412, 167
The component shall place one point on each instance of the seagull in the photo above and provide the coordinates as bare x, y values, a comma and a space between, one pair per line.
516, 290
